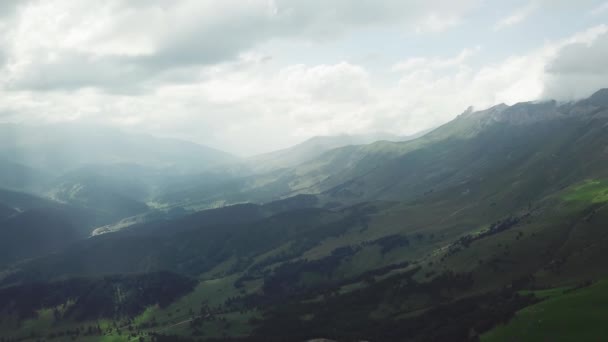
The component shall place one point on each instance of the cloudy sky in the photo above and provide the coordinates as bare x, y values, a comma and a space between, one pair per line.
249, 76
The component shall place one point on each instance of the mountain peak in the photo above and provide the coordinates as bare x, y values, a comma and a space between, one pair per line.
492, 111
599, 98
469, 110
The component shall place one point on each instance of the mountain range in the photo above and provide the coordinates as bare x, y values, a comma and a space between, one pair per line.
472, 231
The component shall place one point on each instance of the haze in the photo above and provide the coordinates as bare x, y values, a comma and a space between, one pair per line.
253, 76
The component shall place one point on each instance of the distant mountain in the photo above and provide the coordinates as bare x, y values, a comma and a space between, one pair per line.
103, 170
81, 217
119, 190
64, 147
315, 147
598, 99
23, 178
22, 201
232, 182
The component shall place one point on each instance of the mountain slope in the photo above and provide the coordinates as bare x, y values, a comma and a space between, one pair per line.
6, 211
432, 239
35, 232
83, 219
479, 142
314, 147
19, 177
566, 314
225, 184
115, 191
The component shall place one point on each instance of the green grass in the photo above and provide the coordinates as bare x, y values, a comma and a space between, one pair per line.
591, 191
545, 294
173, 319
44, 322
575, 316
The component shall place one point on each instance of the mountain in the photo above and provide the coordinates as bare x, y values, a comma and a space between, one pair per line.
23, 178
31, 226
64, 147
79, 216
35, 232
314, 147
231, 183
6, 211
118, 190
234, 214
442, 158
19, 201
598, 99
457, 235
102, 170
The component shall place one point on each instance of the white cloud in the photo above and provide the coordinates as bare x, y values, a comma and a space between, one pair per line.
418, 63
195, 69
579, 67
67, 44
518, 16
252, 105
428, 94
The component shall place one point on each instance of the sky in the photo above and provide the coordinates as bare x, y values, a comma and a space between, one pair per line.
251, 76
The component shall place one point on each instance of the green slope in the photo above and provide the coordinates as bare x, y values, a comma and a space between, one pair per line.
577, 315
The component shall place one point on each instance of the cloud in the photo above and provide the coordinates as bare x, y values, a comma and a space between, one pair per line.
252, 104
579, 68
432, 91
251, 101
418, 63
8, 7
518, 16
210, 71
67, 44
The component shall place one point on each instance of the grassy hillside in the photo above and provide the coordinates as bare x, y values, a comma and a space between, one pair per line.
564, 315
394, 263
